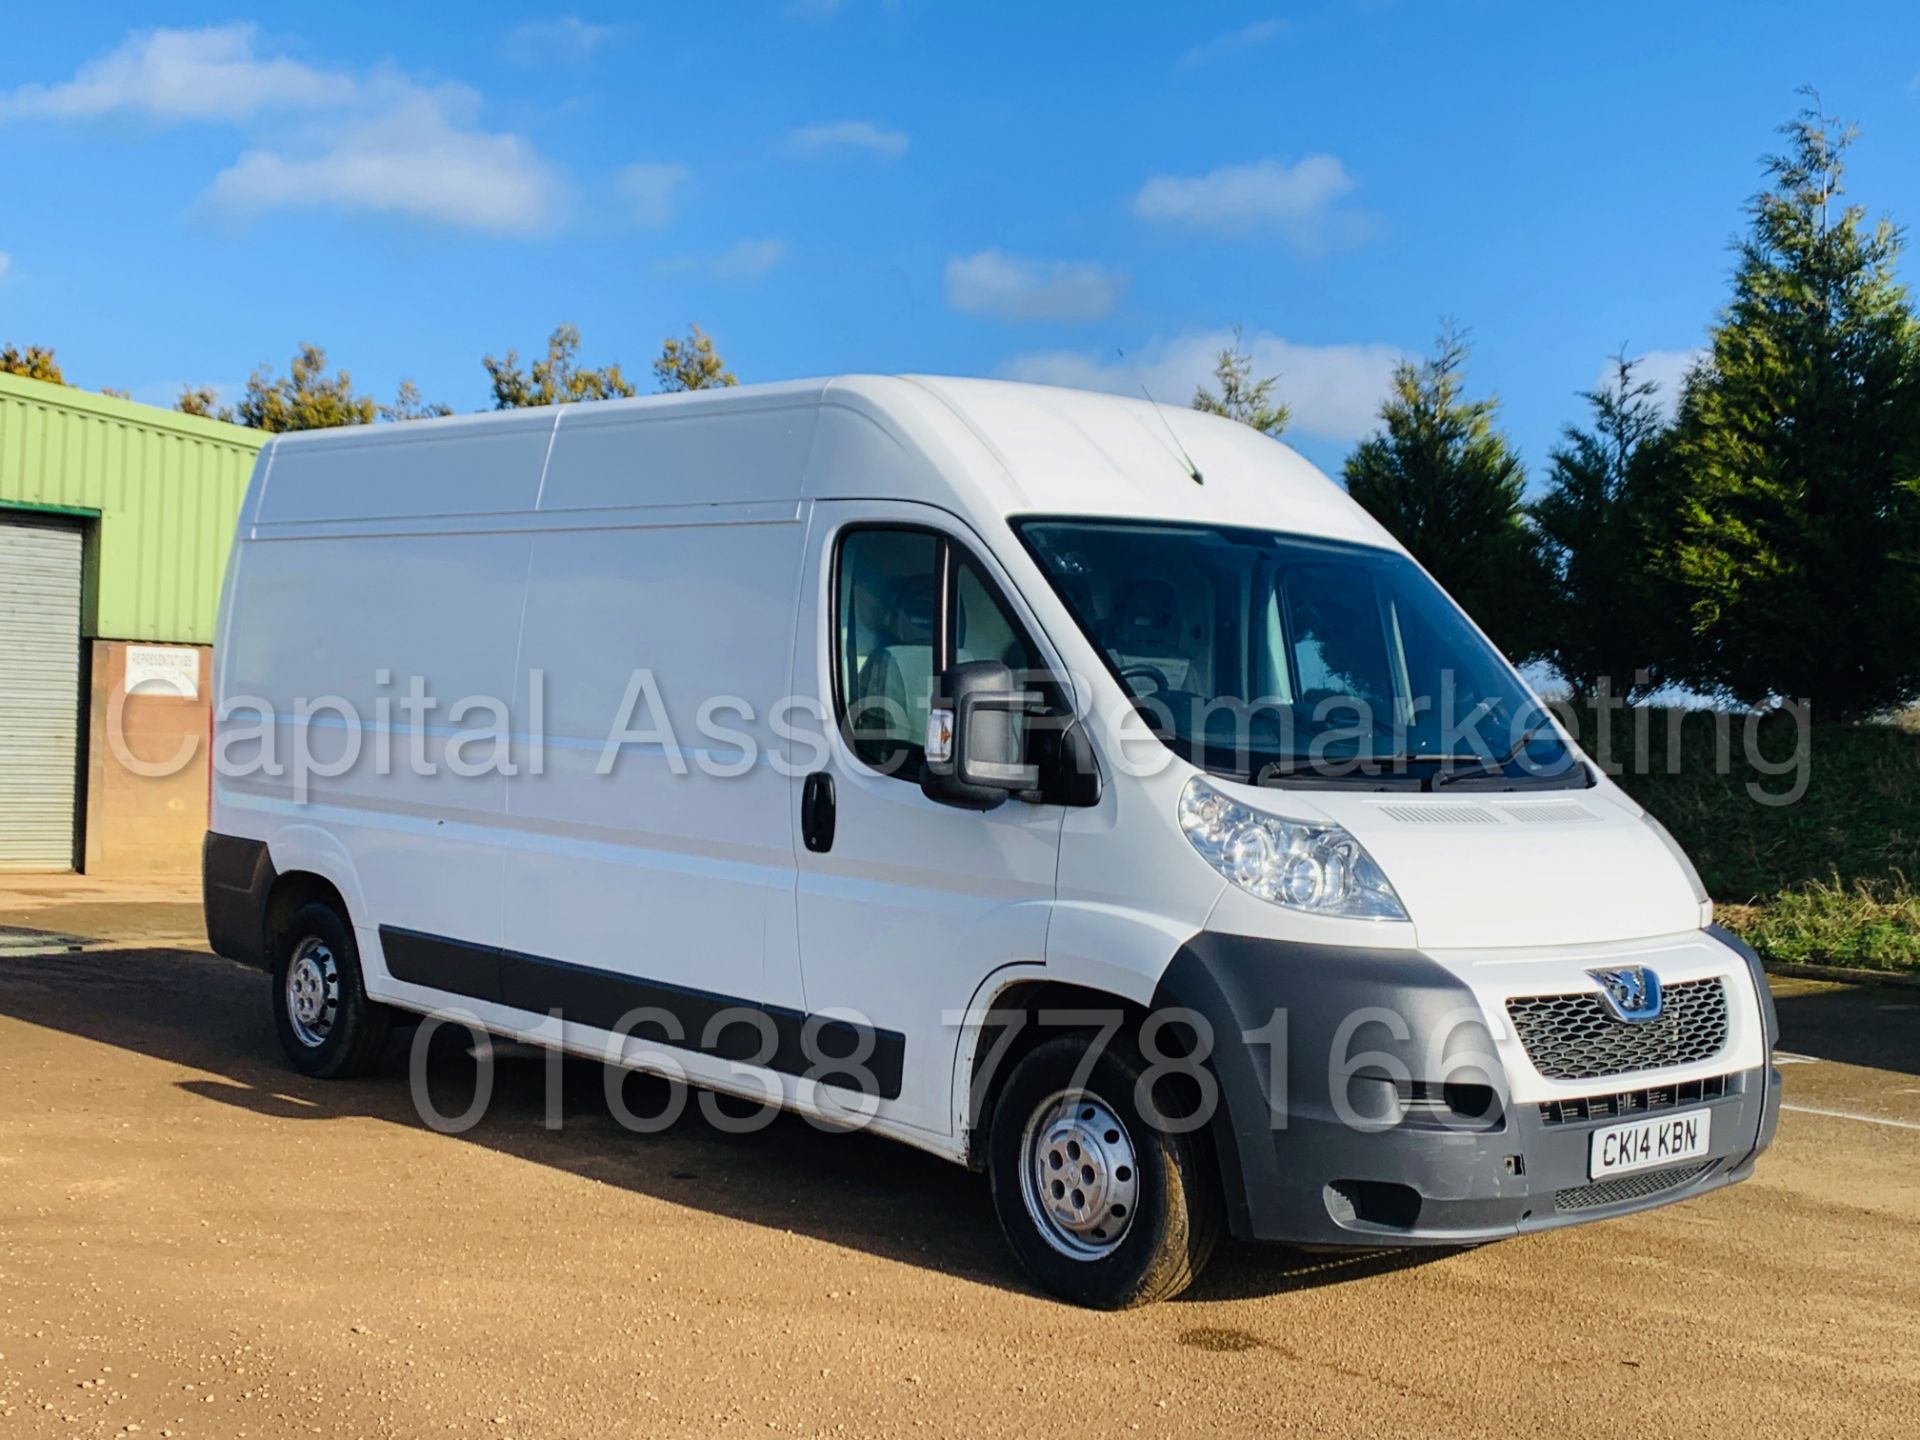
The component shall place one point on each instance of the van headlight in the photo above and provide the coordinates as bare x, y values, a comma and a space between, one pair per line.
1304, 865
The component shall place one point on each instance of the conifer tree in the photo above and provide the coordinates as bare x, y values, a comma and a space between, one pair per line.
1240, 396
1799, 440
1446, 484
1606, 513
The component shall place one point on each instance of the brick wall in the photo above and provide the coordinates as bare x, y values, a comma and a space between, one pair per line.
146, 791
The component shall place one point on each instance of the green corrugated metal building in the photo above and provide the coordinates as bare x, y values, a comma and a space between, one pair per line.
158, 490
115, 520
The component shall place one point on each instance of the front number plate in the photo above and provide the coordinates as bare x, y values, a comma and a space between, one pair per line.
1647, 1144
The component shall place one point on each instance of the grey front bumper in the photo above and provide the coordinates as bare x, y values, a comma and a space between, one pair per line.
1305, 1174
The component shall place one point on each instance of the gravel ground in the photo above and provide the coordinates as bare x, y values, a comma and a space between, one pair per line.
194, 1241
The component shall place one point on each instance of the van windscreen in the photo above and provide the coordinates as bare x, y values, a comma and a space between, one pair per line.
1292, 660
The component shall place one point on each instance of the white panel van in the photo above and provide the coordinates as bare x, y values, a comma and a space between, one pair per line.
1085, 791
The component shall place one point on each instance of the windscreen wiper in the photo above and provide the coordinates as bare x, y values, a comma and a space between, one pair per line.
1369, 765
1487, 767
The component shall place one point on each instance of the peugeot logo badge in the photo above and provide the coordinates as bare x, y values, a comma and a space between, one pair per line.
1632, 992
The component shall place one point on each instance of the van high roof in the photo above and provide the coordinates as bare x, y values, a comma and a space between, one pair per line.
982, 448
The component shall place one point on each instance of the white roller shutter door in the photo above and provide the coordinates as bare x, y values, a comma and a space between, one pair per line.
39, 693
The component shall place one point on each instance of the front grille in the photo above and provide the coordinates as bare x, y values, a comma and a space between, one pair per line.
1576, 1037
1624, 1188
1636, 1102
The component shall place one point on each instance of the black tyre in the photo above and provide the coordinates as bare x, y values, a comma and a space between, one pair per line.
327, 1025
1103, 1207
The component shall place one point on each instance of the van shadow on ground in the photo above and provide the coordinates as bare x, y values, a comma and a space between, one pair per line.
859, 1191
1849, 1025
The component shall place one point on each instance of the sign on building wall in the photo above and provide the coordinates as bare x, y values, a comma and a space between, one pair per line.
163, 670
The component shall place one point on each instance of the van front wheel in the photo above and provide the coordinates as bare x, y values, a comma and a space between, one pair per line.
327, 1025
1102, 1206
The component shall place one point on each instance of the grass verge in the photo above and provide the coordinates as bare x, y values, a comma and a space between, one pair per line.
1863, 926
1805, 838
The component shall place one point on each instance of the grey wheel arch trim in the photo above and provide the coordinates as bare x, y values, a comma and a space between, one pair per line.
236, 878
1237, 983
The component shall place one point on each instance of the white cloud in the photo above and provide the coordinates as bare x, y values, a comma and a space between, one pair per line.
213, 73
650, 192
1298, 200
848, 135
1247, 38
746, 260
568, 39
419, 158
6, 264
993, 283
1664, 368
379, 141
1334, 390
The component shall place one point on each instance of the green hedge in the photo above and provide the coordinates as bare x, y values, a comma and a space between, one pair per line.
1824, 879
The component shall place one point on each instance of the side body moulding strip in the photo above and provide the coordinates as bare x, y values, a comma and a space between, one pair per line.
825, 1049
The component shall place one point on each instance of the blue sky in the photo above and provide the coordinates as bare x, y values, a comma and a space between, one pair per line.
982, 188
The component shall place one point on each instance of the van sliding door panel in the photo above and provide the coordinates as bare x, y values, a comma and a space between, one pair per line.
655, 839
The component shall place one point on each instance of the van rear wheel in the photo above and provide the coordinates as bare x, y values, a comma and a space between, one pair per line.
1102, 1206
327, 1025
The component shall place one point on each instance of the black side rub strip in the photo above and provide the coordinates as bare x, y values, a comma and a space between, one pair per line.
834, 1052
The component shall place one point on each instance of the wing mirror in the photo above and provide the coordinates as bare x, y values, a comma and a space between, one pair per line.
977, 737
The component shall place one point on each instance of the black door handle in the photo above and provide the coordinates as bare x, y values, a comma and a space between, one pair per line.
817, 812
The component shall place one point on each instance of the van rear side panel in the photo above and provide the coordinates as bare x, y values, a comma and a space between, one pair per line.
375, 587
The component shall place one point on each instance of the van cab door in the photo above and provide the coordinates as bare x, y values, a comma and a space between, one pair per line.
905, 904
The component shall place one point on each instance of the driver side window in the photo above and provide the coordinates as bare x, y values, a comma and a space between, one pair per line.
887, 601
907, 604
982, 629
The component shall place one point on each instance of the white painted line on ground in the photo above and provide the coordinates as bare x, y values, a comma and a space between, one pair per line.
1849, 1115
1787, 1057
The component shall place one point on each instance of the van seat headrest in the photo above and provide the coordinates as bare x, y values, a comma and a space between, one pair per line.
1148, 615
